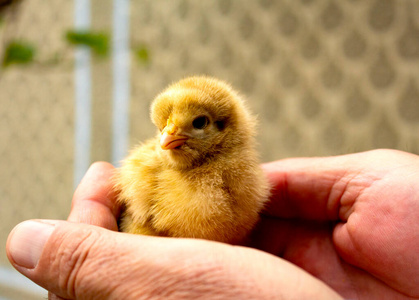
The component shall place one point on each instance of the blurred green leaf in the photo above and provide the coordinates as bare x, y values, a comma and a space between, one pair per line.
98, 42
143, 54
18, 52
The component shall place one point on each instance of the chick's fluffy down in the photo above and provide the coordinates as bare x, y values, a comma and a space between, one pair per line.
199, 177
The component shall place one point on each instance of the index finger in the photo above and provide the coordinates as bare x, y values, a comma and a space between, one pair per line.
94, 200
322, 188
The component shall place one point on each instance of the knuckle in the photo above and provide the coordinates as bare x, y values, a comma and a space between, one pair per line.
70, 260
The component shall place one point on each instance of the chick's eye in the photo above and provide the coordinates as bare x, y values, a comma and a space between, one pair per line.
200, 122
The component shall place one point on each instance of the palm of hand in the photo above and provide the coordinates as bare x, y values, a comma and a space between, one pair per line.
354, 226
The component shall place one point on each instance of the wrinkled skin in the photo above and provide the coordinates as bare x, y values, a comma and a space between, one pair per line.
350, 221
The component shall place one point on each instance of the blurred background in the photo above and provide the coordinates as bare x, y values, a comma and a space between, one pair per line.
77, 77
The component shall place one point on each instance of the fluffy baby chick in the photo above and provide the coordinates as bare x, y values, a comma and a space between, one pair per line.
199, 177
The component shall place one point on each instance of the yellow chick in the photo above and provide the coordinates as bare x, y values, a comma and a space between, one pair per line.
200, 176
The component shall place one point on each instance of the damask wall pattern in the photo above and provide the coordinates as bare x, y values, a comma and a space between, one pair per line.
326, 77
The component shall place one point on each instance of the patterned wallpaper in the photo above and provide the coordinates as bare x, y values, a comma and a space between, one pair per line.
325, 77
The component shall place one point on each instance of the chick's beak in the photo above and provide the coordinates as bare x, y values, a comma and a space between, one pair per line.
169, 139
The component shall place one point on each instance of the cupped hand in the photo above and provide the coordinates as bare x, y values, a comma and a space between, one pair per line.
92, 261
352, 221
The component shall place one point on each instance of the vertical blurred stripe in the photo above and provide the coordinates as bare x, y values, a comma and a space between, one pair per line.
83, 94
121, 79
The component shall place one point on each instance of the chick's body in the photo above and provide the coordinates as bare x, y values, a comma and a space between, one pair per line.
200, 176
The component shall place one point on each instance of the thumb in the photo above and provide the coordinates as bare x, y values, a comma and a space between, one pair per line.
80, 261
70, 260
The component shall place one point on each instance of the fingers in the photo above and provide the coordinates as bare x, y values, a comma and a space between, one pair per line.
326, 188
309, 188
79, 261
94, 201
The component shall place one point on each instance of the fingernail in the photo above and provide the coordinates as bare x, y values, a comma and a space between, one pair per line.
27, 241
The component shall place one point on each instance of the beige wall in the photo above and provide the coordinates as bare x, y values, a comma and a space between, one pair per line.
325, 77
36, 119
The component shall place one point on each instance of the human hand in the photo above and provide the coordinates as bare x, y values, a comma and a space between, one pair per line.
84, 261
352, 221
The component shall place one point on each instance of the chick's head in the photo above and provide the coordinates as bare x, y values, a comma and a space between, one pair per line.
200, 118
